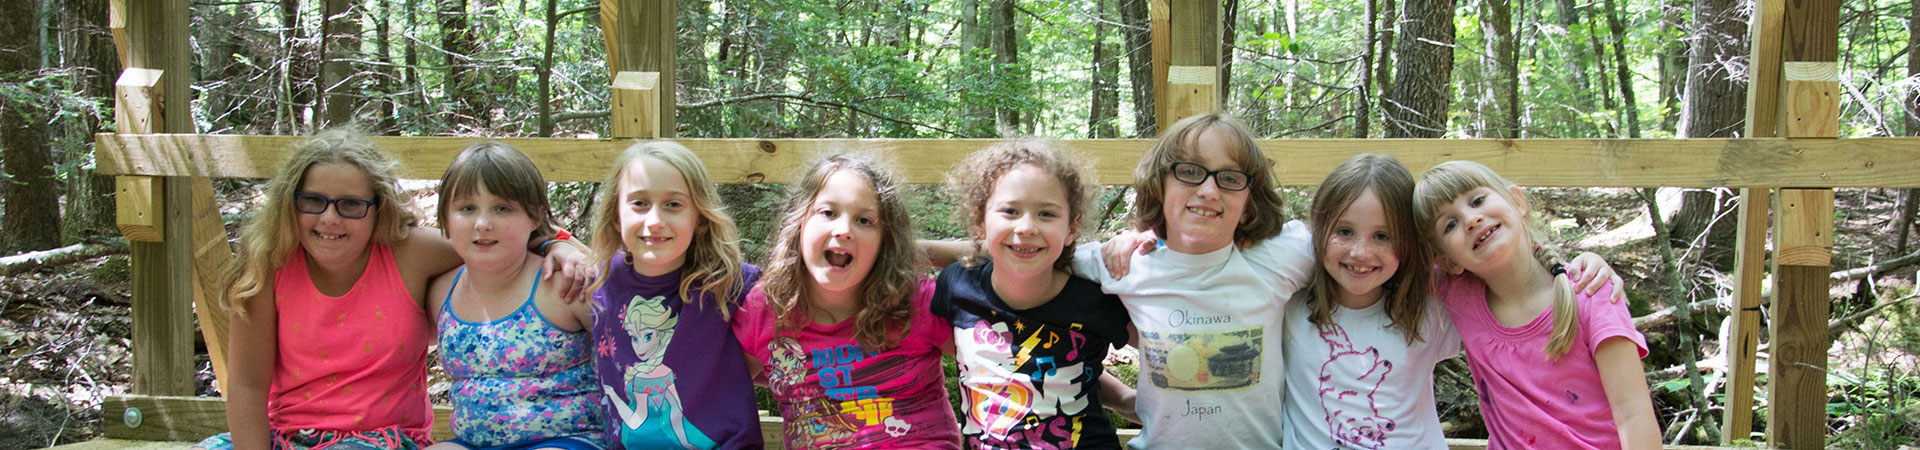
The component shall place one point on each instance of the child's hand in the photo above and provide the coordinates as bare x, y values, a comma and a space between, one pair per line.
1589, 272
568, 266
1117, 251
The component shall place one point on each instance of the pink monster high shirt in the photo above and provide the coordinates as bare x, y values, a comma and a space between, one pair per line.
836, 394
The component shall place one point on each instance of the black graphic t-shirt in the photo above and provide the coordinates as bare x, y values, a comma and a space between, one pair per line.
1030, 378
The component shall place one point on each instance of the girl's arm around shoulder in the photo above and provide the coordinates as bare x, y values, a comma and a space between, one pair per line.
1625, 379
753, 326
1289, 255
570, 316
253, 343
422, 255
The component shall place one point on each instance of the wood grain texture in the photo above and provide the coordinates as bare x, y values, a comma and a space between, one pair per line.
1803, 228
1743, 338
1867, 162
636, 105
137, 208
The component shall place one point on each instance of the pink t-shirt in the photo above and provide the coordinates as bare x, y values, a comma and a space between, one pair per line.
1527, 400
357, 362
834, 394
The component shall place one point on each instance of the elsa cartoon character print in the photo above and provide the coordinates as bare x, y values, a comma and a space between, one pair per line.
655, 418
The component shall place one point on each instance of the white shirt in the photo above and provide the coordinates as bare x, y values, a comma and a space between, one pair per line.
1210, 325
1358, 384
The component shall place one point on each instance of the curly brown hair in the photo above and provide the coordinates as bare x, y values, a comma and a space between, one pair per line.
1263, 217
974, 180
885, 302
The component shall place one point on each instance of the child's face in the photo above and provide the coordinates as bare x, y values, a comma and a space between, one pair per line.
1359, 251
657, 216
1026, 223
841, 236
329, 238
1201, 218
489, 232
1480, 230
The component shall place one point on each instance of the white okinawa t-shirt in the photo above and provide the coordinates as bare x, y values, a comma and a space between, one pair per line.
1210, 325
1358, 385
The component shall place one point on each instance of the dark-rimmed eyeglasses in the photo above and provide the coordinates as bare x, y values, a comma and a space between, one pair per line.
1226, 179
351, 208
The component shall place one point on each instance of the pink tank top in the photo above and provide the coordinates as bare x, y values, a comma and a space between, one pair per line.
357, 362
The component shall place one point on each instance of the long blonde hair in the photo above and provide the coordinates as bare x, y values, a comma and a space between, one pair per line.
1407, 290
713, 258
1440, 185
269, 237
885, 302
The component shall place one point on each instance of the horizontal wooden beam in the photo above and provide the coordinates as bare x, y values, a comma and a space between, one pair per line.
1867, 162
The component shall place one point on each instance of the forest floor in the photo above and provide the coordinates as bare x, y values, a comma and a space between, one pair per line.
66, 336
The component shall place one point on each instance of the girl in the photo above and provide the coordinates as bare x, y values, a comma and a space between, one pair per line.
1030, 337
674, 277
333, 258
1553, 369
1208, 304
840, 328
522, 373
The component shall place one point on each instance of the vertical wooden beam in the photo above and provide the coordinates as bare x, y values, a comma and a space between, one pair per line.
211, 257
154, 36
1797, 386
640, 37
1159, 30
636, 105
1763, 120
1190, 84
1743, 337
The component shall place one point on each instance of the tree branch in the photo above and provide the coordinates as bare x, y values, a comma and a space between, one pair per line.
1863, 272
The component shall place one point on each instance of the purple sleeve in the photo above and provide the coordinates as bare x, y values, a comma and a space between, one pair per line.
1601, 319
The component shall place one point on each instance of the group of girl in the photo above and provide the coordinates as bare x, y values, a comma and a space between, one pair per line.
1254, 331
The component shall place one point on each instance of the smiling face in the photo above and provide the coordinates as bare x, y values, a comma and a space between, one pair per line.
1026, 225
840, 238
1481, 230
330, 240
488, 231
1201, 218
1360, 251
658, 220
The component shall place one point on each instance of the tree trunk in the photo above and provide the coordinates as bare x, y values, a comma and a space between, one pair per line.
1102, 121
1568, 15
88, 45
545, 77
388, 85
1006, 61
1600, 67
1673, 66
1906, 207
339, 45
297, 69
1363, 115
31, 219
1417, 108
1629, 108
1383, 74
1715, 107
1229, 18
692, 73
1139, 41
463, 79
1502, 117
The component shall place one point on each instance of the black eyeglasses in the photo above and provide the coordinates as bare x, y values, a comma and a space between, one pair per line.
351, 208
1226, 179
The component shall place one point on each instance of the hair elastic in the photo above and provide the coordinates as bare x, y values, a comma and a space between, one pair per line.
1557, 269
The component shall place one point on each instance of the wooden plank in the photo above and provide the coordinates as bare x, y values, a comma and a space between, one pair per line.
138, 97
137, 208
643, 41
163, 354
1160, 30
1866, 162
117, 26
1743, 338
610, 35
1191, 90
636, 105
1797, 388
1763, 74
1811, 31
211, 255
1811, 94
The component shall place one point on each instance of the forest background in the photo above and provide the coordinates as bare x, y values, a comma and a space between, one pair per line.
980, 69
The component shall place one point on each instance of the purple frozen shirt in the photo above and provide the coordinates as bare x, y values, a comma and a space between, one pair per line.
673, 371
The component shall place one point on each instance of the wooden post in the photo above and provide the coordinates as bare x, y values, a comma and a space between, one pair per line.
1750, 248
154, 36
639, 36
1803, 242
636, 105
1190, 82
